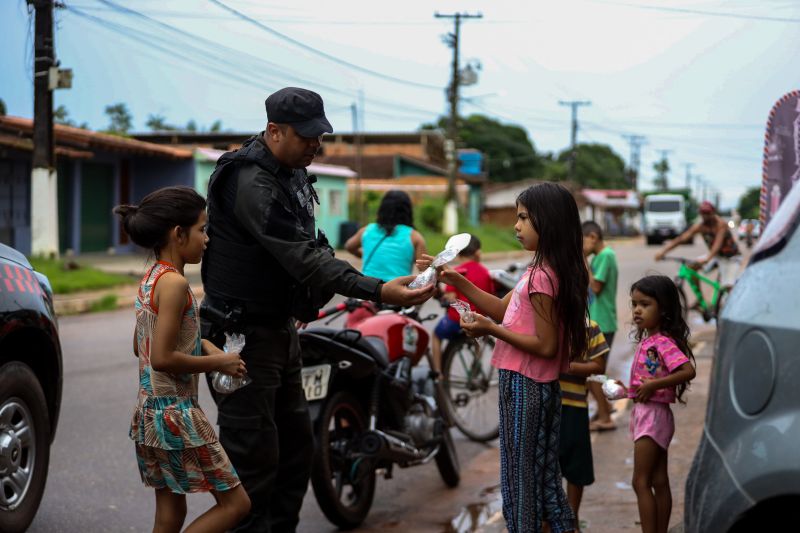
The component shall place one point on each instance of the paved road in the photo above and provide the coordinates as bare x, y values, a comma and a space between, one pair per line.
94, 484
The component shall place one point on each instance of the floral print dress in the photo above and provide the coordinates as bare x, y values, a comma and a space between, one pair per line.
176, 446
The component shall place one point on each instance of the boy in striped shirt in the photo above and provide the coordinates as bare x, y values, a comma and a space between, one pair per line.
575, 454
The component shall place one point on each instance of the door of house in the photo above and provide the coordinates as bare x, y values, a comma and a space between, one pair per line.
97, 197
15, 220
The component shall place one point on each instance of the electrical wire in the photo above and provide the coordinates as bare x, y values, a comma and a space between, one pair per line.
320, 53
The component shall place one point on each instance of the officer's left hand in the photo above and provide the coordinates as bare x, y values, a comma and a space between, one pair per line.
396, 292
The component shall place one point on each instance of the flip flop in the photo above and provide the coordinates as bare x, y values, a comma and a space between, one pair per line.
602, 426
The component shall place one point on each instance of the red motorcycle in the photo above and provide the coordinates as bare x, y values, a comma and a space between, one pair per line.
371, 406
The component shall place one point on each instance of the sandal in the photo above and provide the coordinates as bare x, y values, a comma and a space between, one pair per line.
602, 426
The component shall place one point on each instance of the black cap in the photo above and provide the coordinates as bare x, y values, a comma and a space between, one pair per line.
300, 108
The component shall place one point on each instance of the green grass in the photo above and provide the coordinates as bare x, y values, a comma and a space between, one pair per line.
493, 238
66, 280
106, 303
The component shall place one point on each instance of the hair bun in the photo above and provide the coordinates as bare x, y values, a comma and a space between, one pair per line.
125, 211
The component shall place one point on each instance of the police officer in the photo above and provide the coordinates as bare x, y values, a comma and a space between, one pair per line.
264, 268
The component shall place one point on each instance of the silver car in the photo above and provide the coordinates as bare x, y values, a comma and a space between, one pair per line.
746, 472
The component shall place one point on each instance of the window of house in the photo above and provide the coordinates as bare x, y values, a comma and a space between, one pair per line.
336, 203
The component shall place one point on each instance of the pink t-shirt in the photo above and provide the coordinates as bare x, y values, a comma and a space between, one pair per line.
656, 357
519, 318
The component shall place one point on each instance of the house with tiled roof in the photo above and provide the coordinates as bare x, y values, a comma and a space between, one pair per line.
95, 171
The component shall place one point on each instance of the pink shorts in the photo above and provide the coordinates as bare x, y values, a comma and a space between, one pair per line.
654, 420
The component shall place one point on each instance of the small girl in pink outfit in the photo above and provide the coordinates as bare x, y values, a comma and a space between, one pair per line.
661, 371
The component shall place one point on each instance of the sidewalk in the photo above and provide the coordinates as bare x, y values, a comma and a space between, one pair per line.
609, 505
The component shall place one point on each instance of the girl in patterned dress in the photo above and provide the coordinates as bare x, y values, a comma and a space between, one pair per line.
539, 327
660, 374
176, 447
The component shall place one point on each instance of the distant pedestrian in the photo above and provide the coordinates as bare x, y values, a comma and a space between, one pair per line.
575, 455
661, 371
176, 447
390, 245
540, 325
603, 276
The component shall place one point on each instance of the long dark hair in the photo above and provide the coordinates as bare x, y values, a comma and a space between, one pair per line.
149, 223
663, 290
395, 209
554, 215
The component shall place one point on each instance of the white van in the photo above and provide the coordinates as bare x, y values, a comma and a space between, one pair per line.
664, 217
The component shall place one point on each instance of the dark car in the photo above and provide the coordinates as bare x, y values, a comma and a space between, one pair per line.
30, 388
746, 472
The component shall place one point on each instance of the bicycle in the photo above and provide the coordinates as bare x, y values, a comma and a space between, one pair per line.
688, 275
470, 384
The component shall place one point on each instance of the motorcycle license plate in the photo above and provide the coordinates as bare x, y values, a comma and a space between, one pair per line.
315, 381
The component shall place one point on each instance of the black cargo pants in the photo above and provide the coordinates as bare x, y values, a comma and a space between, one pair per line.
266, 430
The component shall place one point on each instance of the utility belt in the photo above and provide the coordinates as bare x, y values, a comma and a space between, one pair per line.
218, 316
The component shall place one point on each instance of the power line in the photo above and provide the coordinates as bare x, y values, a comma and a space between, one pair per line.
701, 12
320, 53
224, 62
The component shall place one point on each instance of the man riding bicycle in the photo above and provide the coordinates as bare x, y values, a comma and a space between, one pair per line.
719, 239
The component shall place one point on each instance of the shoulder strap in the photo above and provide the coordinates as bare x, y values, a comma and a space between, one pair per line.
372, 253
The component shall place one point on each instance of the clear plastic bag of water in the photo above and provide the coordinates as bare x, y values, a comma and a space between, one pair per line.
611, 387
223, 383
463, 310
452, 247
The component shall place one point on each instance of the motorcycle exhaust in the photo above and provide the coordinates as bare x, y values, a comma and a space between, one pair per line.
380, 445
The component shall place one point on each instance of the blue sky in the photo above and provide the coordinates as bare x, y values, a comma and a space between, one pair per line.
697, 77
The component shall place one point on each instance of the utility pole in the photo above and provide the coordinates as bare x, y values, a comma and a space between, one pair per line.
698, 181
46, 77
44, 190
689, 176
359, 152
574, 104
636, 142
450, 225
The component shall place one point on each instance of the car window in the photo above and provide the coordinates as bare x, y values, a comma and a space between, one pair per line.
783, 223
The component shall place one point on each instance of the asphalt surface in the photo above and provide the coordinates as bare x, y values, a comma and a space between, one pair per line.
94, 484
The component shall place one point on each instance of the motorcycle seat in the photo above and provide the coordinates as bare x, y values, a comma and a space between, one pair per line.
372, 346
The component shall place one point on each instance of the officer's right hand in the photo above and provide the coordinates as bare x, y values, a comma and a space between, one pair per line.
396, 292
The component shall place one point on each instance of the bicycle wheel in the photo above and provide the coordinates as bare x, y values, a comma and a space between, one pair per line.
470, 382
721, 300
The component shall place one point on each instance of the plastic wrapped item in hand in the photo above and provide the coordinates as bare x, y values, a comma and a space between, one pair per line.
463, 310
427, 277
612, 389
452, 248
223, 383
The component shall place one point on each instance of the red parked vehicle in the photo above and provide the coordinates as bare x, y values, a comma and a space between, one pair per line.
372, 407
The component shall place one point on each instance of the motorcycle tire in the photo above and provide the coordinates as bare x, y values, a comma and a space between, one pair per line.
480, 396
338, 429
447, 460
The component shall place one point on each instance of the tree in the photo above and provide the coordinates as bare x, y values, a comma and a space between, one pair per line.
597, 166
158, 123
120, 119
749, 203
2, 107
61, 116
510, 153
191, 126
662, 169
216, 126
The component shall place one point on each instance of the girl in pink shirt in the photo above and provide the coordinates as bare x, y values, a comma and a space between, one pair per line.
542, 324
661, 371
